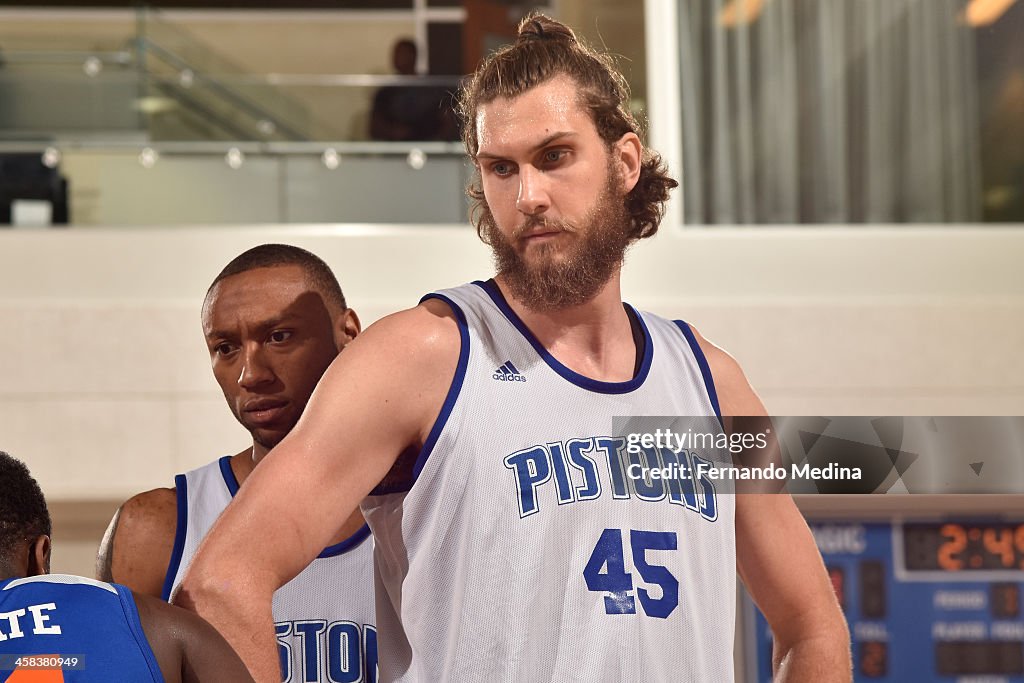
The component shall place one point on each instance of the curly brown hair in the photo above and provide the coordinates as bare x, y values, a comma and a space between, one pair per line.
544, 49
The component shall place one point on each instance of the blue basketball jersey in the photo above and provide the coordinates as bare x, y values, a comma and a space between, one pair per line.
93, 626
522, 550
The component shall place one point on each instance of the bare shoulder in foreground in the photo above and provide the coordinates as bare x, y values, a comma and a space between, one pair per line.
186, 647
136, 547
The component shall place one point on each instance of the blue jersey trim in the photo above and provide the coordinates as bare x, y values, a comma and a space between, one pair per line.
342, 547
582, 381
381, 490
181, 489
702, 362
131, 614
453, 390
230, 480
339, 548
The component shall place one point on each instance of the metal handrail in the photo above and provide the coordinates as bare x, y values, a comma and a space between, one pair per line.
351, 80
116, 57
226, 93
185, 97
342, 147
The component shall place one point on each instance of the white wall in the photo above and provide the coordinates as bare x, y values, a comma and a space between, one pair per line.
105, 388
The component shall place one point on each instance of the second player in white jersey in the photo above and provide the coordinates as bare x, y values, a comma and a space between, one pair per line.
521, 503
324, 618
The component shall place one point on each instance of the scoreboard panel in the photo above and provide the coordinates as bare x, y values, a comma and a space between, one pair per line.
936, 600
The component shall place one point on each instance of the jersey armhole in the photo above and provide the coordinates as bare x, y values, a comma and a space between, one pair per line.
453, 390
180, 531
702, 363
131, 614
449, 401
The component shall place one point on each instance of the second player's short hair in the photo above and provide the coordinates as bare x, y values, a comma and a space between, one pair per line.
23, 513
268, 255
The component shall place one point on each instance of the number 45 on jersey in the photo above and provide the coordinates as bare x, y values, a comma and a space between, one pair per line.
606, 572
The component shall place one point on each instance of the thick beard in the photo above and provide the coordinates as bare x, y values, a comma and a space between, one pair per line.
587, 264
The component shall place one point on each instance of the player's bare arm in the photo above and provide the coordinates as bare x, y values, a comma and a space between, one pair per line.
186, 647
137, 545
779, 562
378, 399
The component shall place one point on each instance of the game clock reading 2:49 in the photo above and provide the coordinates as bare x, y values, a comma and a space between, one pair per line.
954, 547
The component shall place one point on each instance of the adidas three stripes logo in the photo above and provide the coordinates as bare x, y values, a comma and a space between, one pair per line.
508, 373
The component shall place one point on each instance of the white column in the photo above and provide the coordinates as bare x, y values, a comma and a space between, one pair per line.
664, 110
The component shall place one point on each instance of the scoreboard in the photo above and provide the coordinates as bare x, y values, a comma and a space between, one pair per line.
926, 599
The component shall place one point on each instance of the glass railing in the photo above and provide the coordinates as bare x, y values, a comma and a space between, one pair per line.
163, 84
53, 95
161, 129
335, 107
177, 68
220, 183
68, 94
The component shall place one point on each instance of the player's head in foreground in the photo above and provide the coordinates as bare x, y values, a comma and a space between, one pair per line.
274, 319
563, 183
24, 522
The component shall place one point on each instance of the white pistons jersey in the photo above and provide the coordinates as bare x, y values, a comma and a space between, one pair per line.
325, 617
522, 548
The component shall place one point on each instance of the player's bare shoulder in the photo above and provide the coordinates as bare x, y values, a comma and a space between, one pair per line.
428, 329
401, 368
186, 646
735, 395
422, 343
136, 548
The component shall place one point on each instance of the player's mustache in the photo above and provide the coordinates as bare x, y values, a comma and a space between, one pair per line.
533, 222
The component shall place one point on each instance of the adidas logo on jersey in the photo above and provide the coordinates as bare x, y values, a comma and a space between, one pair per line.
508, 373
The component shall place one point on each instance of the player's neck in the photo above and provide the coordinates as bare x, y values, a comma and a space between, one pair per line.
594, 339
257, 452
242, 464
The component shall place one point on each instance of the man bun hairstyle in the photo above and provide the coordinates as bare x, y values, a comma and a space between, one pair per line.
23, 513
544, 49
541, 27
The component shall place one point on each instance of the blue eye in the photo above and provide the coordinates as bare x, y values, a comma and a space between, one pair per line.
554, 156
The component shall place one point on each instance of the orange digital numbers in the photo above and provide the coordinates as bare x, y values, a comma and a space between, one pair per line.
955, 541
1005, 602
874, 659
967, 546
999, 542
